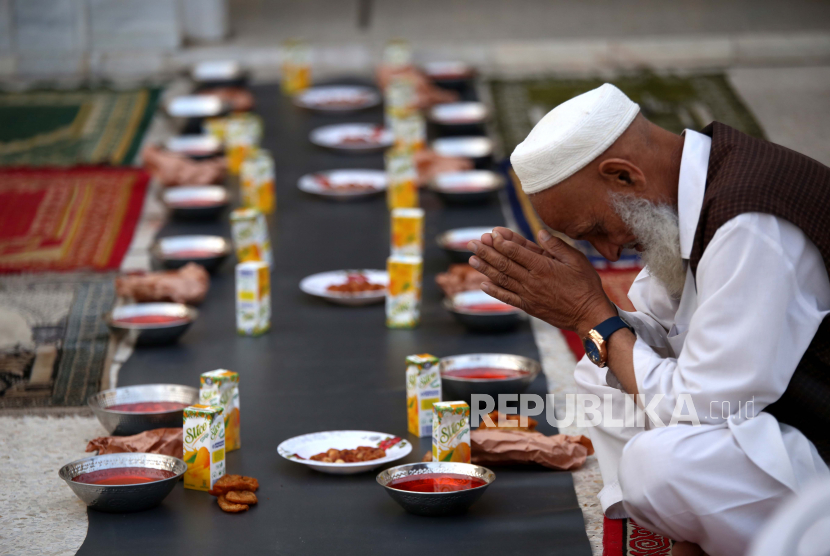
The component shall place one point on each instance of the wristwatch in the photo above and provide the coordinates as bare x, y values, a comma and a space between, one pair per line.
597, 337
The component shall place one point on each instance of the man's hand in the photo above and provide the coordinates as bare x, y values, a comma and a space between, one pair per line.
551, 281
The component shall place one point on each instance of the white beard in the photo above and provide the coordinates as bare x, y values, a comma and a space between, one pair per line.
658, 234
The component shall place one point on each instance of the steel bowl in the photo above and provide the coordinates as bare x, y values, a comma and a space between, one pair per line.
436, 503
467, 187
482, 321
449, 74
454, 242
198, 146
147, 333
172, 251
194, 202
123, 498
197, 106
219, 73
457, 388
477, 148
125, 423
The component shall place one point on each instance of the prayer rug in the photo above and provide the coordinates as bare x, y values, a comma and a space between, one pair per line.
68, 128
623, 537
68, 219
53, 338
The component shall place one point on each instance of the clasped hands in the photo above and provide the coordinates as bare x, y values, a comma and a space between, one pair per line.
551, 281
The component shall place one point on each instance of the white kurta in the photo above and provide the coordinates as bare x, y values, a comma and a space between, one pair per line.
734, 338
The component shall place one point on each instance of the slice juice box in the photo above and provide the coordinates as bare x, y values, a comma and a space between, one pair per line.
407, 231
423, 389
451, 432
221, 387
257, 179
253, 298
403, 300
251, 239
402, 189
204, 446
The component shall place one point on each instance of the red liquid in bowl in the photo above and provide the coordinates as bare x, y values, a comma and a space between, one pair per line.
192, 254
488, 308
150, 319
123, 476
194, 203
436, 482
147, 407
487, 373
459, 245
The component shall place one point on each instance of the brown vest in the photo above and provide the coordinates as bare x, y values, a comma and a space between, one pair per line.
752, 175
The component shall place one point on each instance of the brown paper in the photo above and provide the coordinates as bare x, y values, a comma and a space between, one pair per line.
188, 284
505, 447
175, 169
157, 441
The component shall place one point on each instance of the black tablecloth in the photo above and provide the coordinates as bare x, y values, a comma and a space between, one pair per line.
325, 367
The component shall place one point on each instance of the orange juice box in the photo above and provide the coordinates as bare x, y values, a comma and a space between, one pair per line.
397, 53
221, 387
407, 231
403, 299
257, 179
409, 132
204, 446
400, 98
296, 67
423, 389
402, 191
251, 239
253, 298
243, 133
451, 432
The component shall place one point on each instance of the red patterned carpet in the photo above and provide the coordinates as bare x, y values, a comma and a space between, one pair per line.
623, 537
68, 219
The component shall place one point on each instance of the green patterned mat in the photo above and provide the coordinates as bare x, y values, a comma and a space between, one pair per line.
671, 101
75, 127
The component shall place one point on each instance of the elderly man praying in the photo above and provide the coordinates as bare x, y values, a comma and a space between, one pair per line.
730, 309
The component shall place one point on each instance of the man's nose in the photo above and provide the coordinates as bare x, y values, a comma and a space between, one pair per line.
608, 250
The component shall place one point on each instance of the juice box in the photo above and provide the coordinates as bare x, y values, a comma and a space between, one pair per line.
409, 132
243, 132
253, 298
423, 389
402, 191
251, 240
397, 53
451, 432
400, 98
221, 387
407, 231
296, 67
203, 437
257, 178
403, 300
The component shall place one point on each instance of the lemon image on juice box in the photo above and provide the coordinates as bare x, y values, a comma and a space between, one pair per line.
204, 446
451, 432
423, 389
221, 387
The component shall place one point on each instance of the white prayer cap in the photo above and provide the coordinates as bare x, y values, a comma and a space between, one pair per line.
570, 136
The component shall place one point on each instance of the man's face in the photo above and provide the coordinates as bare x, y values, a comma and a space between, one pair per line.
581, 209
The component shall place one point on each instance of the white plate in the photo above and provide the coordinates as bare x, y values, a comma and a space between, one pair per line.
452, 239
337, 98
458, 113
195, 106
317, 285
333, 136
330, 183
468, 147
314, 443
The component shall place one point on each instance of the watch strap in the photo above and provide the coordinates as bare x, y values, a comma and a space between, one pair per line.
609, 326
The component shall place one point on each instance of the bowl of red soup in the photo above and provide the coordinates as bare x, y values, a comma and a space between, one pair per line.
454, 242
133, 409
196, 201
480, 312
486, 373
436, 488
177, 251
466, 187
151, 323
126, 482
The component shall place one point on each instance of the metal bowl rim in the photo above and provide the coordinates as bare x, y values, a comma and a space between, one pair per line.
192, 314
64, 470
102, 393
536, 368
159, 254
485, 485
449, 306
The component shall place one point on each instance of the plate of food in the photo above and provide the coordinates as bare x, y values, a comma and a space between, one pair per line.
348, 287
337, 98
344, 452
344, 185
454, 242
352, 138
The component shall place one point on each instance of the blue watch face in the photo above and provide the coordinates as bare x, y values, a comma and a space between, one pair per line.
592, 352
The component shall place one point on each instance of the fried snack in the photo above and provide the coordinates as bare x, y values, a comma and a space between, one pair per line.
230, 507
241, 497
361, 453
427, 457
459, 278
188, 284
356, 283
513, 422
227, 483
429, 164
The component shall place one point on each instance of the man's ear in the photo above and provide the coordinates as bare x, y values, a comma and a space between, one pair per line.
622, 173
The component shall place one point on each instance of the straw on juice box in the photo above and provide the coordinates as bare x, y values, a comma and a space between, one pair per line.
221, 387
402, 190
451, 432
403, 299
253, 298
203, 439
257, 179
251, 239
423, 389
407, 231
